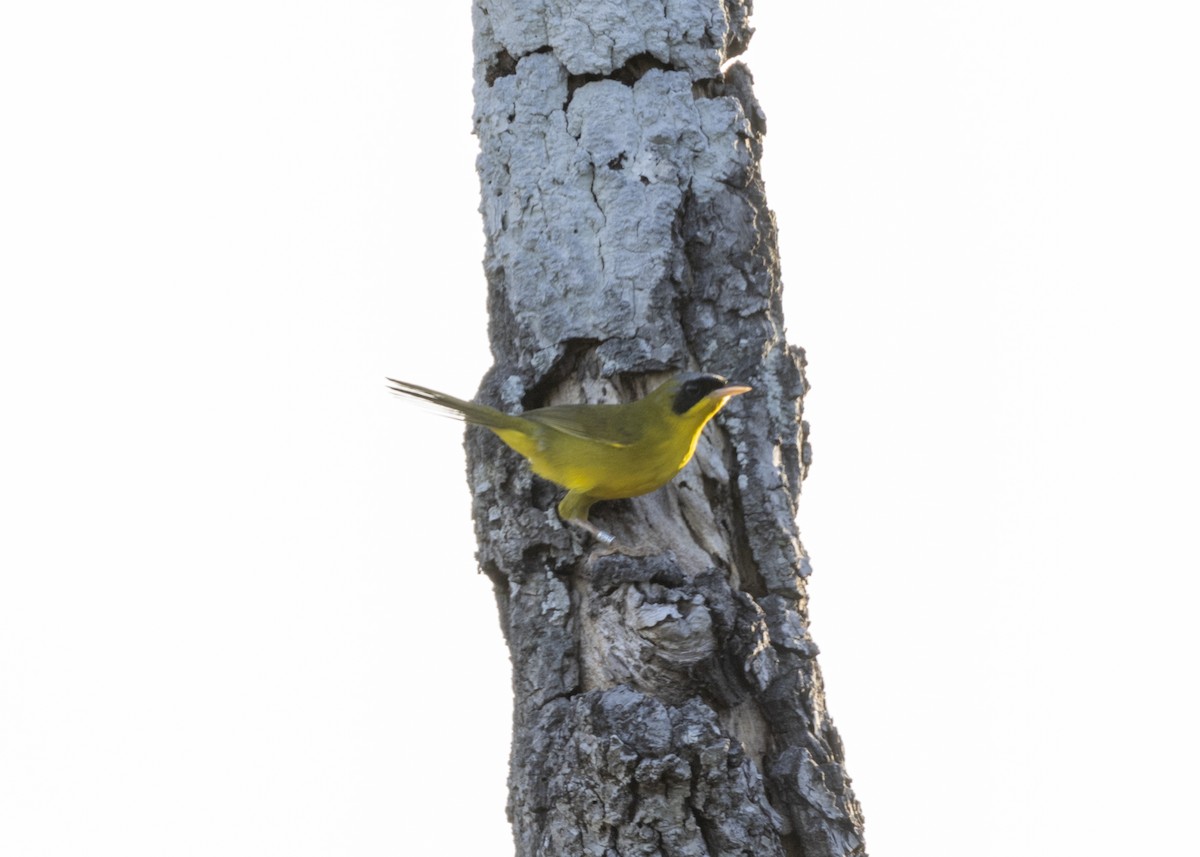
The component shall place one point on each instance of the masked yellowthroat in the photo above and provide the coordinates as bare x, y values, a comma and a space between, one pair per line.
601, 452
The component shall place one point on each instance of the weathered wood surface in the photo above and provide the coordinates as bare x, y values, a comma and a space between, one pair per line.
667, 703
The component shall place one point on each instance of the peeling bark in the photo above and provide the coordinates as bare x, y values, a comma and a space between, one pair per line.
670, 702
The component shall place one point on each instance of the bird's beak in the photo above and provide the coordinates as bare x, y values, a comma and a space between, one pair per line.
729, 390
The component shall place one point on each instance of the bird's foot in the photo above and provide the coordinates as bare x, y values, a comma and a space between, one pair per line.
603, 536
627, 550
609, 542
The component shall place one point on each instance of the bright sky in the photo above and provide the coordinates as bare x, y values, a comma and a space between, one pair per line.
234, 573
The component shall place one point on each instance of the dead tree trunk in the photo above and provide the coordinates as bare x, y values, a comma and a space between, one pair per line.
666, 703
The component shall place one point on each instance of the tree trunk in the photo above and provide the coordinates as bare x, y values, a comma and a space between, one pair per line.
667, 698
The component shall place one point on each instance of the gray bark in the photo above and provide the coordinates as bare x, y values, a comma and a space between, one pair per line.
668, 702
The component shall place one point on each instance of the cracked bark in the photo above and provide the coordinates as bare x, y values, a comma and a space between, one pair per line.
668, 703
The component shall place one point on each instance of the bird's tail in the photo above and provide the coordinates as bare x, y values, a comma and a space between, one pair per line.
459, 409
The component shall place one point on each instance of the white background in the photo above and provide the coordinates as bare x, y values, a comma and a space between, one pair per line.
233, 570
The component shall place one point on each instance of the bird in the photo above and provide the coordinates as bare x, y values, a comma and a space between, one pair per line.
600, 452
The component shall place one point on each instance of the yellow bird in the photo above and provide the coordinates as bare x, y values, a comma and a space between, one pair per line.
601, 452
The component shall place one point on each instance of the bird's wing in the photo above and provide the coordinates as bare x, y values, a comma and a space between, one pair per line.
605, 424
